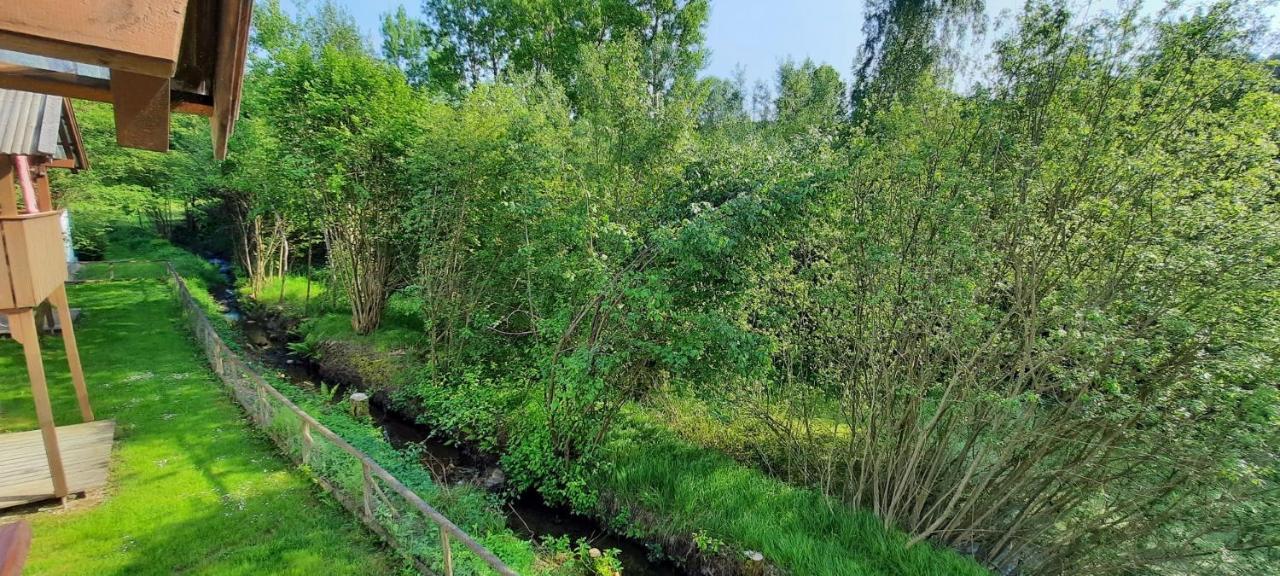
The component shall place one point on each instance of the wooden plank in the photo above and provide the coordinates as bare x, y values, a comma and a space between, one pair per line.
8, 206
44, 198
59, 299
15, 242
140, 36
46, 253
8, 193
23, 325
141, 106
228, 73
71, 129
67, 85
15, 544
36, 256
24, 473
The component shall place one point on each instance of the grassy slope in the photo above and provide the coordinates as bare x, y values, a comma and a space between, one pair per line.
193, 488
690, 488
683, 487
468, 507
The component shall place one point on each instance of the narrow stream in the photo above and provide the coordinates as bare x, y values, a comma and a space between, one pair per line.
527, 515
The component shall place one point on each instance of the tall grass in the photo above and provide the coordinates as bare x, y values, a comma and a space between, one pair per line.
688, 489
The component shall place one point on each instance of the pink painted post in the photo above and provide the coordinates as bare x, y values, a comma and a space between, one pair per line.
22, 165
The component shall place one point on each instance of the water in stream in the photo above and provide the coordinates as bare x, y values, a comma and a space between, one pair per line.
527, 515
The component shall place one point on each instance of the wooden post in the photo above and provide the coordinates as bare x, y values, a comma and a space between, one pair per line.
15, 544
141, 106
307, 442
448, 553
367, 486
22, 324
44, 198
360, 405
59, 299
8, 198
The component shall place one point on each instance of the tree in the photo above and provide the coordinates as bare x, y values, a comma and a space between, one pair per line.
1034, 322
809, 97
726, 101
904, 42
351, 120
407, 44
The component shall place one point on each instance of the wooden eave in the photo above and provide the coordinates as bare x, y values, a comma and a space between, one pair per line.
164, 56
70, 140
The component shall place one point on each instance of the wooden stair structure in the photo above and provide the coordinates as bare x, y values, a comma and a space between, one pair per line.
148, 58
33, 270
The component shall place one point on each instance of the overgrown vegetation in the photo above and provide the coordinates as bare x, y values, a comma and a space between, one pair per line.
1034, 321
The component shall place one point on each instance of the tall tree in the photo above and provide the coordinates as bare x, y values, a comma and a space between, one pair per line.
809, 97
904, 41
407, 44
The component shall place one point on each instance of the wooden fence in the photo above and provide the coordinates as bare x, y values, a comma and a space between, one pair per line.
91, 271
396, 517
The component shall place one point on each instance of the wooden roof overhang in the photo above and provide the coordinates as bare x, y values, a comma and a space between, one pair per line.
146, 57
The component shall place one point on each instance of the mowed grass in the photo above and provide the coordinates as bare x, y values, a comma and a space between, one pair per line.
193, 488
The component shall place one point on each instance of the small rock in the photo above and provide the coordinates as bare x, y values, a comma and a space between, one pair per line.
360, 405
494, 480
257, 338
754, 556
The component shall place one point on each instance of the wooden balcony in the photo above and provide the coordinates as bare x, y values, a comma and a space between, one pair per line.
36, 260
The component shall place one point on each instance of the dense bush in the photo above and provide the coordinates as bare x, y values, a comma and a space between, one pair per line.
1035, 321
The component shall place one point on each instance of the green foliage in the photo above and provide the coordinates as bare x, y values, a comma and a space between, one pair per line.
810, 97
701, 492
462, 43
1035, 321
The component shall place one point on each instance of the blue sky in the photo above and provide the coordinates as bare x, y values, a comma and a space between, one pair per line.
759, 34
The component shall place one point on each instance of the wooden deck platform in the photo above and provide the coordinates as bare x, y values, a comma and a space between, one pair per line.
24, 471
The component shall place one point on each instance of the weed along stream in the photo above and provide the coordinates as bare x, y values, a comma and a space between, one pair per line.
526, 514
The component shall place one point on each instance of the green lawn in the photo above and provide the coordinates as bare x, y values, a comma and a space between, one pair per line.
194, 489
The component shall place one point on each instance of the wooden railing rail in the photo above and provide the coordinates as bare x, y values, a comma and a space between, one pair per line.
225, 361
163, 266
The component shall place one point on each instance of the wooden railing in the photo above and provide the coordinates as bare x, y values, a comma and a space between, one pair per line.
90, 271
257, 396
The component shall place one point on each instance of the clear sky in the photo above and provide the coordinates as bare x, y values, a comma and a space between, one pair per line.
759, 34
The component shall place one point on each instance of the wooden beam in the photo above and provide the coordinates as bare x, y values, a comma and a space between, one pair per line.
8, 194
59, 300
228, 73
22, 324
141, 106
139, 36
44, 197
79, 157
16, 77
